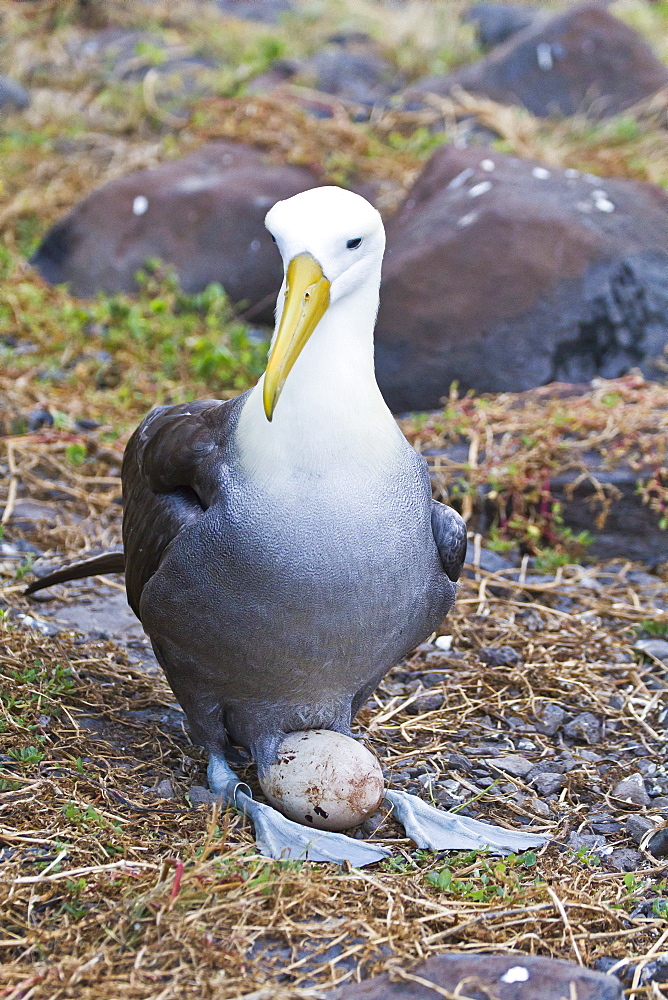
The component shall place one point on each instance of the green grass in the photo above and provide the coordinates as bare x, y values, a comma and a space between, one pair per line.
479, 878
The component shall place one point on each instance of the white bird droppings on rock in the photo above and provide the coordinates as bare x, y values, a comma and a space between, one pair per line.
544, 56
487, 166
517, 974
540, 173
604, 205
466, 220
460, 179
443, 642
479, 189
571, 173
139, 205
584, 206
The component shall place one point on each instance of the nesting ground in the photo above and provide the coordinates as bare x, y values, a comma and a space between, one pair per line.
119, 878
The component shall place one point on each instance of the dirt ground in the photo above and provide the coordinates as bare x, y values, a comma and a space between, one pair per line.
546, 708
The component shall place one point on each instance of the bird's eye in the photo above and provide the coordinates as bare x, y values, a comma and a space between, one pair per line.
353, 244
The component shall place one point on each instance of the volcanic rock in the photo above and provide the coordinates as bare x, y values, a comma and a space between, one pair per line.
582, 61
266, 11
350, 68
503, 274
496, 22
632, 790
585, 727
203, 214
506, 977
13, 97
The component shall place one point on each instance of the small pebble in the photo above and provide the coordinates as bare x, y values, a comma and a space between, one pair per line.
632, 789
658, 844
513, 764
550, 719
199, 795
499, 656
548, 782
585, 726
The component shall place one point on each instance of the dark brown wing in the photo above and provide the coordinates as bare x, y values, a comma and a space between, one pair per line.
450, 537
171, 475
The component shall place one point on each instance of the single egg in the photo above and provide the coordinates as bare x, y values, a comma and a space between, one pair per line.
324, 779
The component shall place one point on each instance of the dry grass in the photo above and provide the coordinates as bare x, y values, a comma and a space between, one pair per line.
518, 444
107, 892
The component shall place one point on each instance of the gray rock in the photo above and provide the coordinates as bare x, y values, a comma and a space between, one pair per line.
653, 647
550, 720
658, 844
499, 656
165, 790
199, 795
506, 977
425, 703
581, 61
579, 291
590, 842
511, 763
585, 727
548, 782
626, 859
496, 22
637, 826
203, 214
632, 789
266, 11
13, 97
352, 70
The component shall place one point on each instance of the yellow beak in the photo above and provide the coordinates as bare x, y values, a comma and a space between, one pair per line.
306, 301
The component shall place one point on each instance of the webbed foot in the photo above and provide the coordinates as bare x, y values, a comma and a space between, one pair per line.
440, 830
278, 837
282, 838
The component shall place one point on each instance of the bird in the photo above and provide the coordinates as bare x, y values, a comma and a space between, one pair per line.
282, 549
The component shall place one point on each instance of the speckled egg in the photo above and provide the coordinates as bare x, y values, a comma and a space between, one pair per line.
324, 779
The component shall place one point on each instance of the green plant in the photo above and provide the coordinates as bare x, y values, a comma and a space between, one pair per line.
24, 567
26, 755
480, 878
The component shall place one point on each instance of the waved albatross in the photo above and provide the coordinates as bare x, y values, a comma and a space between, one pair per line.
282, 549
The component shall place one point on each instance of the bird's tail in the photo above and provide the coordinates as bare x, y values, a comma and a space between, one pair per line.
108, 562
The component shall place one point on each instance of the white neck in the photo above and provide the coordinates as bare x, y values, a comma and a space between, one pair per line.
331, 420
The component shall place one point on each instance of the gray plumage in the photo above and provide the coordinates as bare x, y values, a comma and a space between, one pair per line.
268, 619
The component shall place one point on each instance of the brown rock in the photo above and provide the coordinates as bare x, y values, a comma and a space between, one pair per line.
474, 977
204, 214
582, 61
503, 274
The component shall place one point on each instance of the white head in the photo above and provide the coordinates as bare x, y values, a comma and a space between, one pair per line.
338, 228
332, 243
